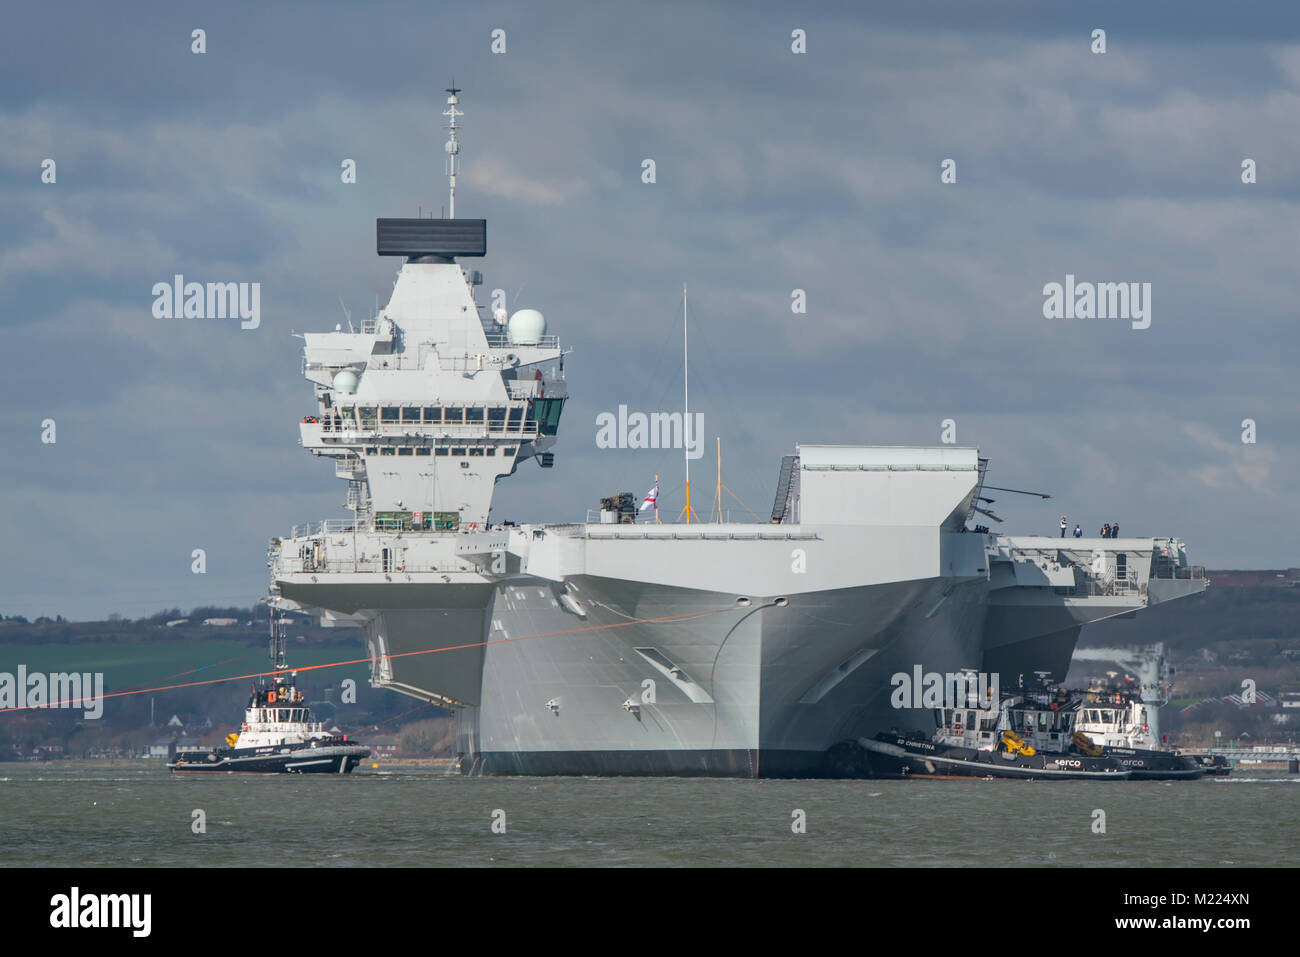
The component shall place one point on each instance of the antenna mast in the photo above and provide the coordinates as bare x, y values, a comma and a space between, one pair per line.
453, 148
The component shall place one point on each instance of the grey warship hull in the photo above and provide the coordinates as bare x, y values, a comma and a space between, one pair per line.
750, 690
551, 668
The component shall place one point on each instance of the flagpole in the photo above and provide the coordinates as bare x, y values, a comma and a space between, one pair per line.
686, 423
656, 498
718, 492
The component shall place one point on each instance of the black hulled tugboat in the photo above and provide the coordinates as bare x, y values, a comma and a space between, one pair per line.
1028, 735
278, 735
1117, 722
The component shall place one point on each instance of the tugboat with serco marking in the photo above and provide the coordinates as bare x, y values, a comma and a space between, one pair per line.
1029, 734
278, 735
1117, 722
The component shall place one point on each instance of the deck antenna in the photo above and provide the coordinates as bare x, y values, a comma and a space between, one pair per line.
1018, 491
453, 148
686, 422
347, 314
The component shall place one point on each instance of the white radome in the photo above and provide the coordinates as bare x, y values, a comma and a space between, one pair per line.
345, 381
527, 326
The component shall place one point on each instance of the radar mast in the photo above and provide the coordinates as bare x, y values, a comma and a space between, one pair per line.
453, 148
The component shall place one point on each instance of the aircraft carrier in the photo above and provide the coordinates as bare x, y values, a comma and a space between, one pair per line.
618, 647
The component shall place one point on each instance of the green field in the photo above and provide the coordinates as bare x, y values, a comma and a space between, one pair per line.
166, 662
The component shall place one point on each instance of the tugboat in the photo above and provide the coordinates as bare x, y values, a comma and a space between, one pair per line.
1115, 721
1028, 735
278, 735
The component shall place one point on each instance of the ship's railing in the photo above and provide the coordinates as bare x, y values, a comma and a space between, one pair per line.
326, 527
747, 531
524, 388
502, 341
292, 564
274, 726
434, 429
1088, 585
1093, 587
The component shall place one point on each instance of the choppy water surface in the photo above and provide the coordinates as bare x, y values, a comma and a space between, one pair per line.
129, 816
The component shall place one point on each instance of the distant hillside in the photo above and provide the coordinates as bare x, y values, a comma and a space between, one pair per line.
1238, 606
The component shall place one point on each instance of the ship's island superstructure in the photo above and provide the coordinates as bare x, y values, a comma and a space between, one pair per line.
617, 648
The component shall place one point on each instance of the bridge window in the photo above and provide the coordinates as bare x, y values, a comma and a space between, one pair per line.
496, 420
474, 416
547, 413
371, 450
491, 450
368, 415
350, 414
441, 450
516, 418
453, 416
433, 413
389, 413
458, 451
410, 413
388, 450
406, 451
423, 451
507, 450
475, 450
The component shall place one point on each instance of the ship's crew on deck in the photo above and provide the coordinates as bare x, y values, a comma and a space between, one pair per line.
1078, 532
1105, 530
1064, 525
1114, 529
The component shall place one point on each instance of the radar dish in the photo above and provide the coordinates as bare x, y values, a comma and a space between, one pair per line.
527, 326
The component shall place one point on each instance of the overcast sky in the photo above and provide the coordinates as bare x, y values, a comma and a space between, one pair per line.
775, 171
